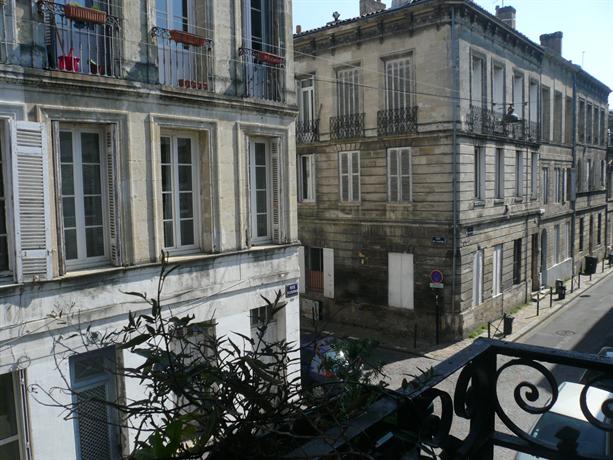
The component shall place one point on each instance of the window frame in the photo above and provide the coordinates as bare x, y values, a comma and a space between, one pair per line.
478, 272
519, 111
479, 172
268, 238
306, 117
483, 60
302, 196
497, 265
344, 87
498, 107
405, 98
351, 193
6, 180
22, 435
499, 179
399, 153
545, 184
519, 173
534, 175
517, 259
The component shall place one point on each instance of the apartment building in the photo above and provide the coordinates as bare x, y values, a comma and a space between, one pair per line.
435, 139
129, 128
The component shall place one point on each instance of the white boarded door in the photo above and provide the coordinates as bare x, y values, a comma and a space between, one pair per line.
302, 285
400, 280
328, 256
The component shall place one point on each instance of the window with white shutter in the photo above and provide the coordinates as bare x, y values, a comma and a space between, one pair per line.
497, 271
400, 280
31, 206
399, 170
5, 259
397, 84
349, 169
478, 277
348, 91
306, 170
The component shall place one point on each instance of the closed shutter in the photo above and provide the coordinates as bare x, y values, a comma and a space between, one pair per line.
94, 433
302, 285
59, 206
400, 280
31, 201
275, 171
328, 255
110, 142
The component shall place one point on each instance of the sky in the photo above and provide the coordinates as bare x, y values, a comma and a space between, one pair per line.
587, 26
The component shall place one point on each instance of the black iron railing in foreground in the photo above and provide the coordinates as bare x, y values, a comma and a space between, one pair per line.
476, 399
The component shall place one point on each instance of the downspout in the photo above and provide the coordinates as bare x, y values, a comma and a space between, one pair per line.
574, 153
455, 118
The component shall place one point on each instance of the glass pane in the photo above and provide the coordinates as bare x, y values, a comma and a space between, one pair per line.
92, 210
166, 178
68, 210
4, 255
70, 241
184, 146
90, 147
165, 149
393, 163
186, 205
167, 205
406, 164
65, 147
260, 154
8, 419
262, 225
355, 162
261, 203
187, 232
260, 178
94, 241
393, 188
344, 164
406, 188
91, 180
185, 178
356, 187
2, 217
67, 180
345, 188
168, 235
10, 451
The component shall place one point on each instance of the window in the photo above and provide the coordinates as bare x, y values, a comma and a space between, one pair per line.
398, 84
588, 124
568, 184
519, 173
261, 175
533, 109
556, 244
477, 78
497, 271
557, 117
534, 163
568, 121
581, 121
12, 426
349, 168
307, 178
603, 131
517, 261
314, 261
4, 211
180, 191
306, 101
498, 89
545, 185
348, 92
399, 171
478, 277
559, 192
596, 126
588, 174
610, 184
400, 280
567, 240
93, 381
479, 173
86, 190
518, 95
499, 178
264, 330
581, 232
316, 270
603, 173
546, 113
599, 229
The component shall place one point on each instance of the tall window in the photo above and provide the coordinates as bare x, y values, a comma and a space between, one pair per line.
567, 240
477, 86
307, 178
581, 121
599, 229
93, 377
4, 244
603, 173
497, 271
557, 117
260, 169
399, 171
398, 84
589, 174
568, 184
556, 244
517, 261
348, 92
581, 232
519, 173
479, 173
498, 89
589, 127
11, 426
559, 192
478, 277
603, 131
596, 127
518, 95
180, 191
546, 113
545, 185
306, 100
349, 169
534, 168
314, 261
568, 120
83, 193
499, 178
534, 104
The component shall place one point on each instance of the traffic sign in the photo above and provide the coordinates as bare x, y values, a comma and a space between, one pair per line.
436, 276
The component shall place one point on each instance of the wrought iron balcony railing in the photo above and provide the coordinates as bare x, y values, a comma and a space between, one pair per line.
184, 59
264, 74
454, 407
347, 126
483, 121
82, 40
307, 132
397, 121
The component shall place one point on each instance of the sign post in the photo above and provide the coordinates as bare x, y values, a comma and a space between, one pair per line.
436, 282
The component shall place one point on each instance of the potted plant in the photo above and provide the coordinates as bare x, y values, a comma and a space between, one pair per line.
187, 38
80, 13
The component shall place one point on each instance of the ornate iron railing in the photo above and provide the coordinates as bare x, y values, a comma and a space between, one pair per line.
425, 411
483, 121
307, 132
264, 74
82, 40
347, 126
397, 121
184, 59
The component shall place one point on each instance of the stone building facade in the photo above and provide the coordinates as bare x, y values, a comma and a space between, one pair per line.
433, 136
128, 129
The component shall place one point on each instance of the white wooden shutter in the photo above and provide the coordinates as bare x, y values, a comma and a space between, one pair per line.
111, 151
328, 255
400, 280
392, 161
302, 285
59, 207
275, 171
31, 201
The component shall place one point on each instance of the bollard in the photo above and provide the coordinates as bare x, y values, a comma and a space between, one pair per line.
489, 334
550, 297
538, 302
572, 283
579, 283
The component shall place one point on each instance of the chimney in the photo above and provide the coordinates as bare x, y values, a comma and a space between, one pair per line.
298, 29
370, 6
553, 42
507, 15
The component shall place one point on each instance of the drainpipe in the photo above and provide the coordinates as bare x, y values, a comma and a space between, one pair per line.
574, 153
455, 118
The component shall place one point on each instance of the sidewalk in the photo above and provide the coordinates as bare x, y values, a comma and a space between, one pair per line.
525, 320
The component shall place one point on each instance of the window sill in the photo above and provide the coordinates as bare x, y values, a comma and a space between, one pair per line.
519, 199
350, 204
498, 201
307, 203
479, 203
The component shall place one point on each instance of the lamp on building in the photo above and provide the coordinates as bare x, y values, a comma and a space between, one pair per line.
510, 116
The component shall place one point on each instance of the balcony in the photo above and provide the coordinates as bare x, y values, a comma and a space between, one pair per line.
264, 75
307, 132
489, 394
347, 126
185, 60
487, 122
397, 121
81, 40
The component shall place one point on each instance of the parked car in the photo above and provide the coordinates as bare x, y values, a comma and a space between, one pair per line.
319, 361
605, 383
566, 414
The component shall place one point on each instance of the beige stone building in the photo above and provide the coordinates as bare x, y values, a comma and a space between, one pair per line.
128, 128
434, 136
